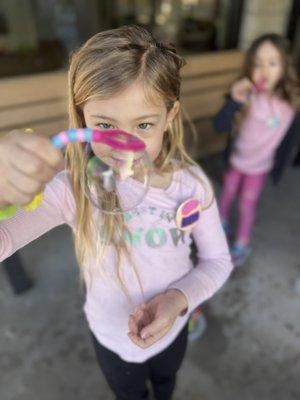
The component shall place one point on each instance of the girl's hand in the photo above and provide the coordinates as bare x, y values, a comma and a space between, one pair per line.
27, 163
241, 90
153, 320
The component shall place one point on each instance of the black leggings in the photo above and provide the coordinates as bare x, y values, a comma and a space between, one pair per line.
128, 380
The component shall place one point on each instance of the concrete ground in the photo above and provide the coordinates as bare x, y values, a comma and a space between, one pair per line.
250, 350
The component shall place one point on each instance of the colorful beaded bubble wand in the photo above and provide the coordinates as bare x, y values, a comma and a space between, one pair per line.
118, 140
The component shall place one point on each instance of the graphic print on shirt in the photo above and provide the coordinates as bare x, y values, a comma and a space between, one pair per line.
162, 231
260, 134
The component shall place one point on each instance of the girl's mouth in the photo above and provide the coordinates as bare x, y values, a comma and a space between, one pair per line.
126, 164
261, 85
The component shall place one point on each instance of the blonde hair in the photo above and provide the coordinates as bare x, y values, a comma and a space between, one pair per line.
106, 64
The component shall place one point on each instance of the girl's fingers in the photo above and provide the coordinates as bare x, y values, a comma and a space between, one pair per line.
41, 147
153, 339
139, 320
132, 325
31, 165
144, 343
140, 307
156, 326
140, 313
249, 83
246, 83
23, 183
242, 89
27, 163
249, 88
135, 339
14, 196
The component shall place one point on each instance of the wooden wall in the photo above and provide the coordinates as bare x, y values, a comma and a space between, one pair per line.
40, 101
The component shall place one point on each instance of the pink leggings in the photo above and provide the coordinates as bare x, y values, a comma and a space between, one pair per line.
250, 188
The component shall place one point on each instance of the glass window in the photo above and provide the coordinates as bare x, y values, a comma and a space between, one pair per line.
192, 25
3, 25
38, 35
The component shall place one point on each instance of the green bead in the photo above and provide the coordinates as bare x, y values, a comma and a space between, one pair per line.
7, 212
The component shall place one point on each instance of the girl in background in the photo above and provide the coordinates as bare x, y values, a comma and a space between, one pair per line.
263, 110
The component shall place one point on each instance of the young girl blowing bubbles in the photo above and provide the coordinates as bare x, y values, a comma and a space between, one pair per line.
266, 102
142, 288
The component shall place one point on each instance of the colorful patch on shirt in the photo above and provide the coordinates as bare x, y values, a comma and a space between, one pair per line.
188, 214
273, 122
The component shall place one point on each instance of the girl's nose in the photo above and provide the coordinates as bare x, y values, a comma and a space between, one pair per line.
127, 129
265, 71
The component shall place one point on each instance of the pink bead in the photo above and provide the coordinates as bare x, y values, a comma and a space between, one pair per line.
64, 137
81, 135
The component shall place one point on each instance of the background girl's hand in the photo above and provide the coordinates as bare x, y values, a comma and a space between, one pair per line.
153, 320
27, 163
241, 90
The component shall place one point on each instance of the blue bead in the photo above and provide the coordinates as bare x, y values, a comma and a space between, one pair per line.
57, 142
88, 134
72, 135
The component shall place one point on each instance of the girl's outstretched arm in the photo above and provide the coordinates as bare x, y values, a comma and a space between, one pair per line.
56, 209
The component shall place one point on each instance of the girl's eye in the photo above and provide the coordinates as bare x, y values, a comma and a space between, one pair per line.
145, 126
103, 125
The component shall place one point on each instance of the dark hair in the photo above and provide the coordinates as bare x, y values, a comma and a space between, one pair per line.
288, 85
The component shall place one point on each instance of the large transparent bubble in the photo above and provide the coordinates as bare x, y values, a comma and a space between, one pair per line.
117, 182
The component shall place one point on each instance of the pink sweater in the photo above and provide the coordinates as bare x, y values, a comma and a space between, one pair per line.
260, 134
160, 252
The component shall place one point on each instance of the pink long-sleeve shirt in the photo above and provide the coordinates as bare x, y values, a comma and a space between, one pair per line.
265, 126
160, 252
